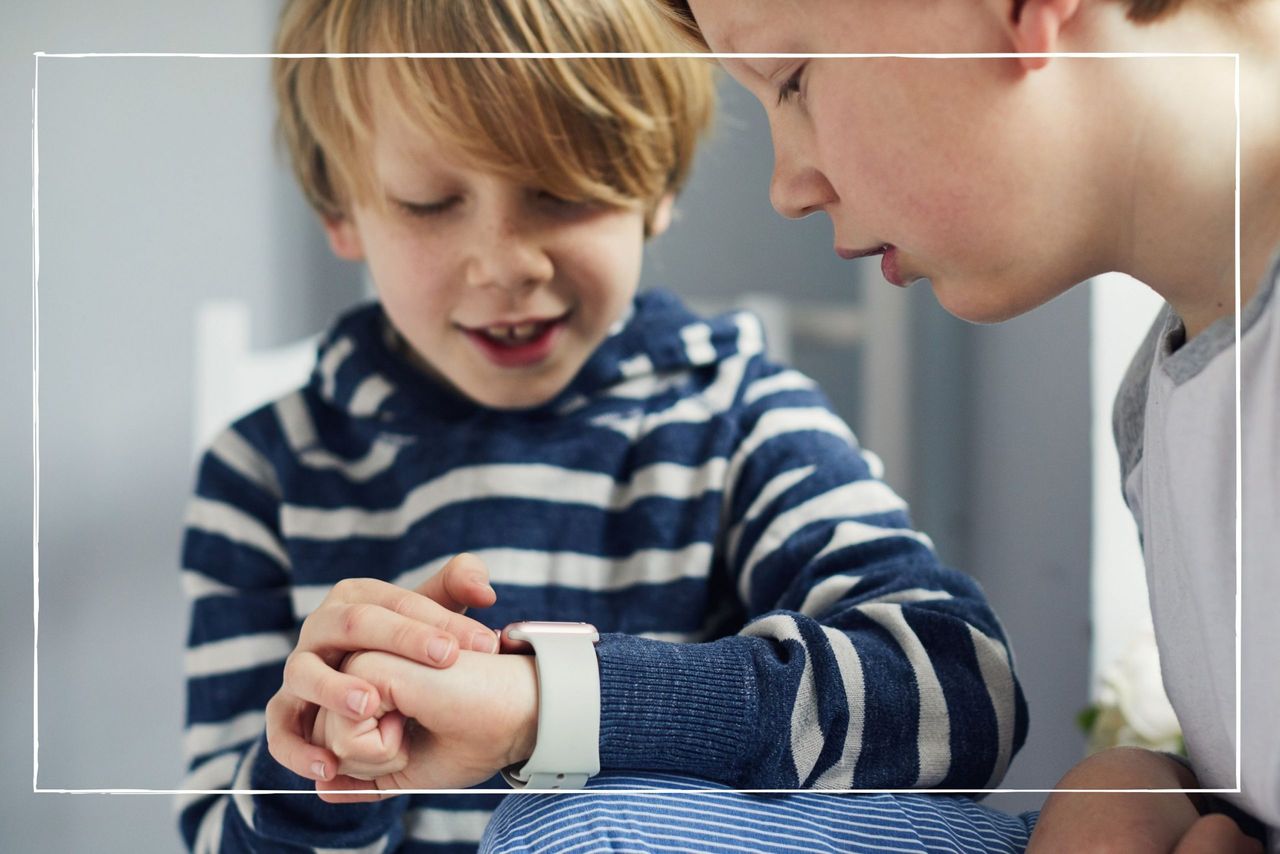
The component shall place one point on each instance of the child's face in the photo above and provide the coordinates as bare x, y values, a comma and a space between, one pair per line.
501, 290
929, 160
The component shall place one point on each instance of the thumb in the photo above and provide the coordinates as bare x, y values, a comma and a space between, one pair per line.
460, 584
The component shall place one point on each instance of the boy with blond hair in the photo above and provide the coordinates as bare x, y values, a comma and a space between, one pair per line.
1006, 181
762, 614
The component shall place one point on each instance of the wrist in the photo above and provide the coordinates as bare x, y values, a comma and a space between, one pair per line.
566, 745
524, 723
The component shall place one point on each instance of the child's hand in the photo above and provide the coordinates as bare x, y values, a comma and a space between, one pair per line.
368, 749
1132, 821
470, 721
425, 625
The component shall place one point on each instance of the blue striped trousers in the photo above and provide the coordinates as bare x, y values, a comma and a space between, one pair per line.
676, 819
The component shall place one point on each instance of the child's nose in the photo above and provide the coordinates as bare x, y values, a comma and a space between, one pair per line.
508, 256
798, 189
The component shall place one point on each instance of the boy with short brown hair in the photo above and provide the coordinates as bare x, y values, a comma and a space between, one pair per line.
1006, 181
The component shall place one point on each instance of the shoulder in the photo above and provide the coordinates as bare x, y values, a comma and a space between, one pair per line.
1127, 415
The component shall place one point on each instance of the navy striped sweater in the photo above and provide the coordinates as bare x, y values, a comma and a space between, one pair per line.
769, 618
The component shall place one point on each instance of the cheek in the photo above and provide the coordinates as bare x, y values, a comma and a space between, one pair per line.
605, 265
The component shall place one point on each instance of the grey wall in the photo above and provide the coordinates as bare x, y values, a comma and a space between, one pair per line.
159, 189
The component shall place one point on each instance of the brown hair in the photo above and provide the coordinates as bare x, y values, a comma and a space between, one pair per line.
686, 27
615, 130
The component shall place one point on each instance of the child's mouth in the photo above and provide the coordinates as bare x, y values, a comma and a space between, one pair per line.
516, 334
516, 345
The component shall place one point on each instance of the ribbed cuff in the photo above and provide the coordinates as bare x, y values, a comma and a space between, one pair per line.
688, 708
307, 820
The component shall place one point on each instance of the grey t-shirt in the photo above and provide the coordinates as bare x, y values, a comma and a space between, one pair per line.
1175, 427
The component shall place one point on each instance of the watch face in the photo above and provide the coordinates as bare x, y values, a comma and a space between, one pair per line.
516, 636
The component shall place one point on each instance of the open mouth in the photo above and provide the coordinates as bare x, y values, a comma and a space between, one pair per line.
850, 254
520, 344
515, 335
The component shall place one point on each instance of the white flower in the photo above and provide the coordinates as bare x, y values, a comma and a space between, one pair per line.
1132, 708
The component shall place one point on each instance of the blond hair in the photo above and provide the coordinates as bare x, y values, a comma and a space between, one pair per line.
612, 130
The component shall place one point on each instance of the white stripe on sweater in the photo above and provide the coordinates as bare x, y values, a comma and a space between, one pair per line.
330, 361
854, 533
774, 488
860, 498
698, 348
780, 422
933, 730
807, 737
217, 517
369, 395
806, 732
300, 432
424, 824
826, 593
840, 774
197, 585
239, 653
378, 846
238, 455
209, 836
215, 773
787, 380
533, 481
200, 739
532, 568
997, 675
713, 400
589, 572
243, 781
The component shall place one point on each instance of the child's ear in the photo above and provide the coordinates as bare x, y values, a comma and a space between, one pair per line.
660, 219
344, 237
1036, 25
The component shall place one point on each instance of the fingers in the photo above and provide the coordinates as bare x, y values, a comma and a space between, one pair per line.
308, 678
369, 749
404, 618
336, 791
287, 718
462, 583
1216, 834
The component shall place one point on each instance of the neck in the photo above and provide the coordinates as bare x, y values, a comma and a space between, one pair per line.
1177, 234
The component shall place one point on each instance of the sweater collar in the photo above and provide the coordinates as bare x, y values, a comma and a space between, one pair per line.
362, 368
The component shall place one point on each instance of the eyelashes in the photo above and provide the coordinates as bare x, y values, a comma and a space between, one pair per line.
542, 201
426, 209
791, 87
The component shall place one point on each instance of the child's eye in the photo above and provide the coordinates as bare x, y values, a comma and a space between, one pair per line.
547, 197
559, 204
425, 209
790, 88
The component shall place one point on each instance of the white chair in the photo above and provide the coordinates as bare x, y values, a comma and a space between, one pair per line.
231, 377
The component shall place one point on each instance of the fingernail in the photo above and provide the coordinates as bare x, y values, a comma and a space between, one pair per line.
317, 768
357, 700
484, 642
438, 650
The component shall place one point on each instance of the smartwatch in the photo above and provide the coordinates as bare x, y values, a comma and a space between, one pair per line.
567, 751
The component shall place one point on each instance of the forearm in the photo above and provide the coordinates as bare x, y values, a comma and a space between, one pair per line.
878, 667
283, 822
795, 703
242, 627
1086, 821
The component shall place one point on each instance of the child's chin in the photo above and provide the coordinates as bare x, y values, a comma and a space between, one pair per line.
982, 303
516, 395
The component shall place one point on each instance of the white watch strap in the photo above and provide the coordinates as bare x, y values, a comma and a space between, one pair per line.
567, 752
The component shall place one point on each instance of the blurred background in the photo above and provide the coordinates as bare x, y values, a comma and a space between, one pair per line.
160, 190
